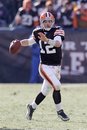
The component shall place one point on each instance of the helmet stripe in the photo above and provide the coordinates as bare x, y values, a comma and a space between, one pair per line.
48, 14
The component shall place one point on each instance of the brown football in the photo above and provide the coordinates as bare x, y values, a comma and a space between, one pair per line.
15, 46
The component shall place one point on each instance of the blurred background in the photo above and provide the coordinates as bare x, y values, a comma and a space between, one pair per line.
17, 20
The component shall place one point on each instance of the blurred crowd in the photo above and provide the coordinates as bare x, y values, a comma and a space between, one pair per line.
68, 13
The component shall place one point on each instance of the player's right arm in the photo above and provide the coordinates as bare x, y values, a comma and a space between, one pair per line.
27, 42
33, 39
15, 45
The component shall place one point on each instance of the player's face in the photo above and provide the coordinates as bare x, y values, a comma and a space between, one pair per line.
47, 23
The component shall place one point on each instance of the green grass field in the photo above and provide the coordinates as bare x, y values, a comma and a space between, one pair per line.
14, 97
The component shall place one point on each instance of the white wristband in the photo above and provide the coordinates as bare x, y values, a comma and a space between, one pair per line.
51, 42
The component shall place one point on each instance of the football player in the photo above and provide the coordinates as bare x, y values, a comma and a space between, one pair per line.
50, 39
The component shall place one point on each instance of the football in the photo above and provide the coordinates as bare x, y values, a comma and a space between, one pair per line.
15, 46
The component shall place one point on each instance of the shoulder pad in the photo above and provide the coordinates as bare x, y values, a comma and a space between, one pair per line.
36, 29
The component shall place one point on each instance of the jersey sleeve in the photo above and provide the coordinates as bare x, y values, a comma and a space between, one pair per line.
35, 34
59, 32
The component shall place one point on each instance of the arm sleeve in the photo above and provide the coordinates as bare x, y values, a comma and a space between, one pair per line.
27, 42
31, 41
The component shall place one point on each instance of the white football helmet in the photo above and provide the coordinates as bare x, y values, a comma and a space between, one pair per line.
46, 17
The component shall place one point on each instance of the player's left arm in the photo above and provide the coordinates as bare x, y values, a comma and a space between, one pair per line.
59, 35
57, 41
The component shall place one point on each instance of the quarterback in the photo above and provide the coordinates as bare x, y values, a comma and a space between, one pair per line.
50, 39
